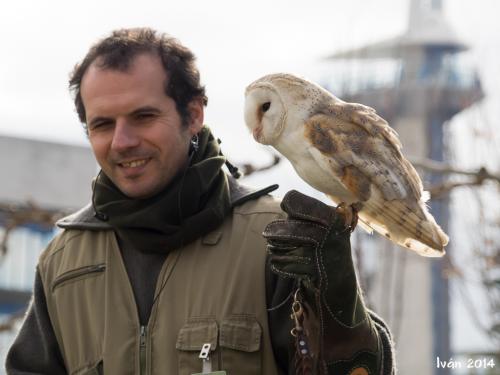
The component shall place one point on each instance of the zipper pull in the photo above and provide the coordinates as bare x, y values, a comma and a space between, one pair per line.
205, 357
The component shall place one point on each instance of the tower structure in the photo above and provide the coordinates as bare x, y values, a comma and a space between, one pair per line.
425, 84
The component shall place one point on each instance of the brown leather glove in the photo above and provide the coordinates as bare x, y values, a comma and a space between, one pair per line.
313, 246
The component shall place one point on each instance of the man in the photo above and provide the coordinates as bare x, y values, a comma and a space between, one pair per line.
168, 263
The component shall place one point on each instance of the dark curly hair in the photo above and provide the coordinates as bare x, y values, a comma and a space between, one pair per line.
117, 52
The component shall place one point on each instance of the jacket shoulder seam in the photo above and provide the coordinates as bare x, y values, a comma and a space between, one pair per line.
60, 243
266, 204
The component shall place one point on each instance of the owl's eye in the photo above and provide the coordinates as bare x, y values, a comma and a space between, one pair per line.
266, 106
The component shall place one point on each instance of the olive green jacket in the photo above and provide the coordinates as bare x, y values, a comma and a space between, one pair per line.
84, 320
211, 291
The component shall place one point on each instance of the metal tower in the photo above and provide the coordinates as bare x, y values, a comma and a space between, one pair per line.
427, 86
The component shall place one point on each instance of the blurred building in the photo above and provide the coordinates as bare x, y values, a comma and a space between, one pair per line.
39, 179
416, 81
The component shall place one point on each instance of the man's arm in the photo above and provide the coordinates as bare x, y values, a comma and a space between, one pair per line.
35, 350
312, 249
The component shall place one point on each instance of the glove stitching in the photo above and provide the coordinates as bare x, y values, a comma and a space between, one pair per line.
288, 236
281, 247
340, 322
288, 274
295, 258
352, 357
302, 214
320, 266
302, 260
325, 276
313, 224
380, 350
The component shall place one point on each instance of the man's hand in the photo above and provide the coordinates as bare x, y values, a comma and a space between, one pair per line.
313, 246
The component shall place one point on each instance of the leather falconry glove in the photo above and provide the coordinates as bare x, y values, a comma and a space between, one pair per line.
313, 247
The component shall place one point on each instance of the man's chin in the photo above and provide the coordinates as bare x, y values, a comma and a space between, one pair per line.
138, 190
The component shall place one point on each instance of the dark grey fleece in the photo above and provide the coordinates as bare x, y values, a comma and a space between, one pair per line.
35, 350
143, 270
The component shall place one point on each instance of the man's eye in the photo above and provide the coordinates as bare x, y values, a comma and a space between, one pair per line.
145, 115
99, 124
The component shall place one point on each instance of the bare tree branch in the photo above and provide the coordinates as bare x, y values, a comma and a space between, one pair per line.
477, 177
440, 190
10, 322
19, 214
249, 168
438, 167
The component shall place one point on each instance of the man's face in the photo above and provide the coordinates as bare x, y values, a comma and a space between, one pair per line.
134, 128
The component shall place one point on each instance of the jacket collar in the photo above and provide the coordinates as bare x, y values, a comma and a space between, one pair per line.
85, 217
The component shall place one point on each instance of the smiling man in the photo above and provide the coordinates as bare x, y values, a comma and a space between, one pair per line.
138, 137
166, 270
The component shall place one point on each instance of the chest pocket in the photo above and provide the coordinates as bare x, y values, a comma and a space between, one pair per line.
235, 345
78, 274
240, 341
78, 296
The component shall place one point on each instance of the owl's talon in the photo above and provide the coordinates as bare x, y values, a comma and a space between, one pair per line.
354, 221
349, 214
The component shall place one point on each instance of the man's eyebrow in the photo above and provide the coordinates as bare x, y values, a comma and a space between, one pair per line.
148, 109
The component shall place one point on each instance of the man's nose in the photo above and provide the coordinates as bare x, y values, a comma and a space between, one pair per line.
125, 136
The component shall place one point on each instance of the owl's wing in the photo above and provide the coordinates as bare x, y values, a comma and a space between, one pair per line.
365, 158
362, 154
366, 118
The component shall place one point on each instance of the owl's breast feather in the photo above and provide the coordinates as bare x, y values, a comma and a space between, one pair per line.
326, 182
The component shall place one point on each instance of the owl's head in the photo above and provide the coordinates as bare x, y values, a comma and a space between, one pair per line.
274, 103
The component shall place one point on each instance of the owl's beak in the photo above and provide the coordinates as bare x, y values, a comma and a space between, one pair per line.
257, 133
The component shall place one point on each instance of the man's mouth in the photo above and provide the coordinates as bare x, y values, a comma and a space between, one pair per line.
134, 163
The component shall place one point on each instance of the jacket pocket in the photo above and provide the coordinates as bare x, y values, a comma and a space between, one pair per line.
240, 343
191, 338
78, 273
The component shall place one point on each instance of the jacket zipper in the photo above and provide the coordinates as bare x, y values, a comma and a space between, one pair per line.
142, 349
219, 357
78, 272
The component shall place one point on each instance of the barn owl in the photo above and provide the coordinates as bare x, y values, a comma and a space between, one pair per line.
348, 152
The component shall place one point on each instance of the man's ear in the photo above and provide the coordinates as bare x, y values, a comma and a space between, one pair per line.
196, 116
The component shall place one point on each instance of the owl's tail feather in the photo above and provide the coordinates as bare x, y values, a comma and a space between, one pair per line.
365, 226
413, 228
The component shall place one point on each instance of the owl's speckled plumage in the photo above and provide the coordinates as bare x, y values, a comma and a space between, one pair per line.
349, 153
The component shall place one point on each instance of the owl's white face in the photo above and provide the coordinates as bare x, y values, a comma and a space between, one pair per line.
279, 104
265, 113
